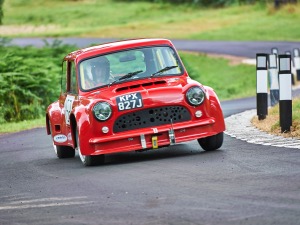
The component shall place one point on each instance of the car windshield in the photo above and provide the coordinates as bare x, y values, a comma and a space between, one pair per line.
128, 65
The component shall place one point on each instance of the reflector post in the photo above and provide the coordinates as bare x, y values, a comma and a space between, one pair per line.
261, 85
297, 62
285, 93
273, 78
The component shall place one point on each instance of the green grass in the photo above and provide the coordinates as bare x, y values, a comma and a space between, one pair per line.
219, 74
113, 19
20, 126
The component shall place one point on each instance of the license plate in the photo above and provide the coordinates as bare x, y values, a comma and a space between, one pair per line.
130, 101
154, 142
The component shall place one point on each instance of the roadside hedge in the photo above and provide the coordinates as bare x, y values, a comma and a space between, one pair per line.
29, 79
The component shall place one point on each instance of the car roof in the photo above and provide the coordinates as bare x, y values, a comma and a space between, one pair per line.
80, 54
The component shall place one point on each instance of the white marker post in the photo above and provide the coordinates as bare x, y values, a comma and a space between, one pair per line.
285, 93
297, 62
273, 79
261, 85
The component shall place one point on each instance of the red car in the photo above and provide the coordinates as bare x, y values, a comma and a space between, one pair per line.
130, 95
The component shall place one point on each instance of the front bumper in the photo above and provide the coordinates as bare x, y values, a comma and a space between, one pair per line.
148, 138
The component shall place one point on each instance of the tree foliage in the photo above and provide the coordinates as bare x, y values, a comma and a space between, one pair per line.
29, 80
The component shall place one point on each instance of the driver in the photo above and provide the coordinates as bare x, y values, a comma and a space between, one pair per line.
100, 71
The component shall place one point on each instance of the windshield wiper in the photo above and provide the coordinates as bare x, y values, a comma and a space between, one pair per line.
163, 70
126, 76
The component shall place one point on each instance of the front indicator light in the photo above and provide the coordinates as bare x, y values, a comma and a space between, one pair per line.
198, 113
102, 111
105, 130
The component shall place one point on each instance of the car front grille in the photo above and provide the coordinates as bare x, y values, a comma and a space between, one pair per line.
151, 117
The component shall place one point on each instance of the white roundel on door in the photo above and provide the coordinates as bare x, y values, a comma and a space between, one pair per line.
60, 138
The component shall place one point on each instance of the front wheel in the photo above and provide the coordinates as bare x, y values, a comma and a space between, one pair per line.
211, 143
89, 160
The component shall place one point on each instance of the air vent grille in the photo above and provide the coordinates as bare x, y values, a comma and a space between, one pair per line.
151, 118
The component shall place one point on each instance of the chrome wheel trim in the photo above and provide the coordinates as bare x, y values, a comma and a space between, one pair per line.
54, 146
82, 157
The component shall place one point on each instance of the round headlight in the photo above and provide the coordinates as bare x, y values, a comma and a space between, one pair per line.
102, 111
195, 96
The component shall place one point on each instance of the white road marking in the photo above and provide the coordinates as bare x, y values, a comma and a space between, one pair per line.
44, 202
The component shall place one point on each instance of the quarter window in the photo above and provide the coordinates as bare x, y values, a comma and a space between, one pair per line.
64, 77
73, 83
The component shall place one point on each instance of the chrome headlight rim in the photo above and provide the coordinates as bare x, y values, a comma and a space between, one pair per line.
102, 111
195, 100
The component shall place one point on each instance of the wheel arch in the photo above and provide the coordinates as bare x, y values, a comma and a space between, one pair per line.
215, 108
73, 126
48, 128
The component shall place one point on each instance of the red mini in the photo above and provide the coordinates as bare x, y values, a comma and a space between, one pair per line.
130, 95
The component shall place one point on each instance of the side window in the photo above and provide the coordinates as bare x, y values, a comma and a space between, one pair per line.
73, 83
68, 79
160, 59
166, 57
64, 77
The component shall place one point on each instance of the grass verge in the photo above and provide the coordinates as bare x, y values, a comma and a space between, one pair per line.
226, 75
271, 123
20, 126
93, 18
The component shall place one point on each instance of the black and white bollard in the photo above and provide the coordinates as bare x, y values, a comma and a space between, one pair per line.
285, 93
297, 62
261, 85
273, 79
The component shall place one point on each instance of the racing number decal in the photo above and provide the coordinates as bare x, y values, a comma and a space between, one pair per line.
130, 101
68, 107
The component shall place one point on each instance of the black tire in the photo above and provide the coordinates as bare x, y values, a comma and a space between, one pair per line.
63, 152
89, 160
212, 143
94, 160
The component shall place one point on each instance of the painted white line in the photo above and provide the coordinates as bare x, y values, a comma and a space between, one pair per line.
7, 207
44, 202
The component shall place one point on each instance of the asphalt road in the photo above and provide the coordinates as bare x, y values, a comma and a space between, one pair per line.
241, 183
242, 48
